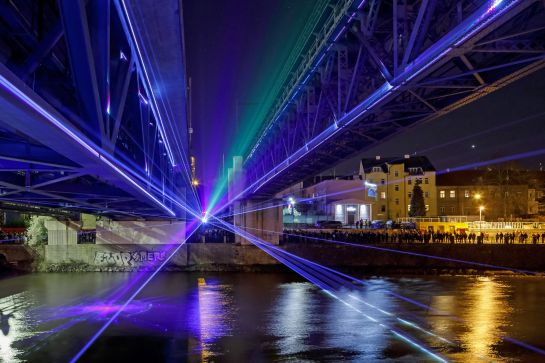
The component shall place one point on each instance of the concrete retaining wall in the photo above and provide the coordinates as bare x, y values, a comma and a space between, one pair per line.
17, 256
229, 256
149, 256
526, 257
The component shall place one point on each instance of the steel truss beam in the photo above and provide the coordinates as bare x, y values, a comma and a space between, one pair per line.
72, 103
401, 72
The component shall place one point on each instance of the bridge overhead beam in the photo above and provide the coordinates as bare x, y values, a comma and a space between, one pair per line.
82, 63
401, 71
39, 53
74, 102
29, 115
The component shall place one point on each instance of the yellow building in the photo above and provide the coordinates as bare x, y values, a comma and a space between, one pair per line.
389, 183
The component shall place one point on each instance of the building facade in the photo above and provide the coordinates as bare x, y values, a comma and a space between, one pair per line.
383, 188
389, 183
333, 199
502, 194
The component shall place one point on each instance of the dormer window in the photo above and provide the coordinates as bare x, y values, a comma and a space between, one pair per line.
416, 171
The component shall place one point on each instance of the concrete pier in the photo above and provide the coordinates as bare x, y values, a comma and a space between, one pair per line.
259, 217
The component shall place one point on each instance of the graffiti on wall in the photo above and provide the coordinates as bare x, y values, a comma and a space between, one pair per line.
128, 258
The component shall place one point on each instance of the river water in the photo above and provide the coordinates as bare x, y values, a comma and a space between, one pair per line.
263, 317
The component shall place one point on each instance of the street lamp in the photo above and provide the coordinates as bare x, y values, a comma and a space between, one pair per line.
481, 208
291, 202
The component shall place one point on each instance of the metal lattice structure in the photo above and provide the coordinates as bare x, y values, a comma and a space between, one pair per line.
93, 110
386, 66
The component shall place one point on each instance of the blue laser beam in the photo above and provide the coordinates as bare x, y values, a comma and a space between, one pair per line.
252, 239
458, 168
81, 140
322, 284
129, 300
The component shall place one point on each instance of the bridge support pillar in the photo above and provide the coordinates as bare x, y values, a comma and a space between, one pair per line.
62, 232
261, 219
111, 232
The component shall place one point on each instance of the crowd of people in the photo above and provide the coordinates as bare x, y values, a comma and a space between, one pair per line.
12, 237
209, 234
520, 237
366, 236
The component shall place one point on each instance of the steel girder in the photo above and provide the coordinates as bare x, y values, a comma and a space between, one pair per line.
392, 65
83, 126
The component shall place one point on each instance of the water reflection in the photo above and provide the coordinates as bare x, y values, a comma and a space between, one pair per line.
362, 334
13, 324
214, 305
291, 317
271, 317
4, 322
487, 309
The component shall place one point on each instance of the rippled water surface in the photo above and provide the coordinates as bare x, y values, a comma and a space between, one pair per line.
262, 317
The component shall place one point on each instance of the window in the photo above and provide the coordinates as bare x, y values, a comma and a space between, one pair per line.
397, 201
441, 194
452, 209
427, 207
382, 195
396, 188
409, 181
376, 169
383, 208
339, 215
442, 209
409, 207
466, 194
396, 173
452, 193
426, 194
426, 181
381, 181
410, 194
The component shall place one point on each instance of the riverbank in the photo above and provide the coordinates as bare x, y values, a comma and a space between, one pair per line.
380, 258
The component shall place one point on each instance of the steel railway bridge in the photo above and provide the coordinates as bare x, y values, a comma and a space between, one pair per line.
94, 111
375, 68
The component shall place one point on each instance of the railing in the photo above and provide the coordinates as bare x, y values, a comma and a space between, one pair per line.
516, 225
451, 219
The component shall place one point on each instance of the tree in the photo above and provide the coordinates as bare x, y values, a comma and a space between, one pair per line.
36, 232
418, 206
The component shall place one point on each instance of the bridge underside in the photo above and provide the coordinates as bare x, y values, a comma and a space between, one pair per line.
366, 88
93, 113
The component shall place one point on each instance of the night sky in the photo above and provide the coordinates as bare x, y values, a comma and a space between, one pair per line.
236, 49
504, 123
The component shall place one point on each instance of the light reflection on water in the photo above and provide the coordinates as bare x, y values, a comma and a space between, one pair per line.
269, 317
487, 314
214, 317
13, 324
